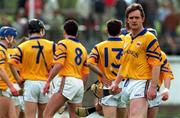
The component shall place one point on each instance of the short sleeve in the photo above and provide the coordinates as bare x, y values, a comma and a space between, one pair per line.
166, 70
60, 53
93, 57
2, 58
16, 57
153, 53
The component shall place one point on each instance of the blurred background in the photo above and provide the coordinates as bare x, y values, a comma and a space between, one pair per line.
163, 15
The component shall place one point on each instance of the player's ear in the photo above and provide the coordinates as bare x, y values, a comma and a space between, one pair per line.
42, 32
106, 31
77, 34
143, 19
65, 34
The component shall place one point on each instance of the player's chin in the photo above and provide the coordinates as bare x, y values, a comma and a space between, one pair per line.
134, 27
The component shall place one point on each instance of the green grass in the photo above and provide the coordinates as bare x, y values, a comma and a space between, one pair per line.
169, 112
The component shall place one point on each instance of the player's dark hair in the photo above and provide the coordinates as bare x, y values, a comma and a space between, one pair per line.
35, 26
71, 27
134, 7
114, 27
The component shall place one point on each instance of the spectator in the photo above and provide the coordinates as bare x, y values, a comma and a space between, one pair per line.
171, 23
151, 12
120, 7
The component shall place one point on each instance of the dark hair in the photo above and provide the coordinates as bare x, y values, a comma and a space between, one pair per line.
114, 27
134, 7
71, 27
35, 26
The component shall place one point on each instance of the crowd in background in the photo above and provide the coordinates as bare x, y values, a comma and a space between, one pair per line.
92, 15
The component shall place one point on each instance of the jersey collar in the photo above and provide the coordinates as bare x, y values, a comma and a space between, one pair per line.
114, 39
140, 34
73, 39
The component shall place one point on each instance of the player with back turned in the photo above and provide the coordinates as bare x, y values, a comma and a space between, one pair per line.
70, 69
34, 58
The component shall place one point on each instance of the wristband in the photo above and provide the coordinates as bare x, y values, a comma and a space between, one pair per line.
166, 90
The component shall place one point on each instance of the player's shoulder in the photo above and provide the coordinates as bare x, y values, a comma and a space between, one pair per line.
46, 41
3, 50
149, 34
62, 41
102, 43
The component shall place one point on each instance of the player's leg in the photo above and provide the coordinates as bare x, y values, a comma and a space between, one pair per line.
30, 109
71, 109
21, 114
138, 103
12, 110
41, 108
152, 112
56, 101
109, 106
17, 110
138, 108
122, 113
7, 107
4, 106
109, 111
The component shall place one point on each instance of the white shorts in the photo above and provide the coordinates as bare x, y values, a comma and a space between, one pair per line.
33, 92
113, 100
8, 93
73, 88
133, 89
21, 100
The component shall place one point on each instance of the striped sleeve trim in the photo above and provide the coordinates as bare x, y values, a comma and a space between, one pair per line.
2, 61
62, 44
59, 55
152, 56
21, 54
151, 44
57, 58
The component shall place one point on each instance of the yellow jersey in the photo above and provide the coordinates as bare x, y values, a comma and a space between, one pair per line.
11, 51
166, 71
106, 55
29, 56
140, 54
4, 57
73, 56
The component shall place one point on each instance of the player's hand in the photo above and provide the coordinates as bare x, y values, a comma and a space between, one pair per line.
115, 89
14, 91
105, 81
46, 88
152, 93
165, 94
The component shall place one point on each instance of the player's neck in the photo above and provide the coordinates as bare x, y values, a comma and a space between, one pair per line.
4, 43
70, 36
35, 35
136, 31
